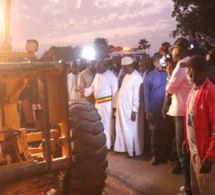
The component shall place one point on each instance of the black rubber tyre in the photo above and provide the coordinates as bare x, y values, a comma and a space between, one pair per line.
87, 174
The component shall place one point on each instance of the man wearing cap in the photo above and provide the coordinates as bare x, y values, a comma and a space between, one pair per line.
200, 127
178, 88
128, 138
105, 89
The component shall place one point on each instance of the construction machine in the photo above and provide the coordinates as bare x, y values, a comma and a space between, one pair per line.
70, 143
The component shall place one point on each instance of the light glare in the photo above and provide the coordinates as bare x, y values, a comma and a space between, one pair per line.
1, 23
88, 53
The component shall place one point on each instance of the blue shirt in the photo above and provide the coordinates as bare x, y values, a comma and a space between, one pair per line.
154, 92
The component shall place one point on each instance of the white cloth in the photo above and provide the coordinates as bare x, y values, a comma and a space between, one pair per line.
143, 75
179, 86
190, 122
128, 137
72, 81
105, 85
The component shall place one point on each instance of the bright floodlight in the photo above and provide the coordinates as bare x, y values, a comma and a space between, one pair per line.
1, 25
88, 53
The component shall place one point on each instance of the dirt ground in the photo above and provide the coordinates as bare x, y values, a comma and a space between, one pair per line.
41, 185
127, 176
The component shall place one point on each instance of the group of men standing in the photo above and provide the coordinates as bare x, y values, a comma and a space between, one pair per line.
192, 110
122, 134
191, 95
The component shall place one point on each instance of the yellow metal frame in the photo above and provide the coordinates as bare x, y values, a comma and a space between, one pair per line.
54, 103
53, 98
17, 55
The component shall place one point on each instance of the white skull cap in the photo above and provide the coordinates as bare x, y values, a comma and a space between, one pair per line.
126, 61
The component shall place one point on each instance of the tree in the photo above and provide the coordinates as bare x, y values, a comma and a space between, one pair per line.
110, 48
101, 48
67, 53
193, 15
143, 44
100, 42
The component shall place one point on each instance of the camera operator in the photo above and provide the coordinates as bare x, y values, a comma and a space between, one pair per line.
178, 88
172, 156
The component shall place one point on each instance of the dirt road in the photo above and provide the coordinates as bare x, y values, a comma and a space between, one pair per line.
138, 174
125, 176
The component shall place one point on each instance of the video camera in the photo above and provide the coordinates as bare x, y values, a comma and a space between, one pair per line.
163, 63
167, 55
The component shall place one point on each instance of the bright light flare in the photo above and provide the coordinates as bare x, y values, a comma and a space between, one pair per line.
89, 53
1, 18
126, 49
2, 7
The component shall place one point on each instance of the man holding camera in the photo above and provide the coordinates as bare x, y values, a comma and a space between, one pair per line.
178, 88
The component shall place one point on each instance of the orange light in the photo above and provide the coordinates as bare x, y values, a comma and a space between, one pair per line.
126, 49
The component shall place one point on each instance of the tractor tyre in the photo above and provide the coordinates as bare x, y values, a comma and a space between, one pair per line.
87, 173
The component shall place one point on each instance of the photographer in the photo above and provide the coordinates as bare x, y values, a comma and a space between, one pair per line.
172, 152
178, 88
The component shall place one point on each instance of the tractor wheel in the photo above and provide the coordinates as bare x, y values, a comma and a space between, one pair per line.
87, 173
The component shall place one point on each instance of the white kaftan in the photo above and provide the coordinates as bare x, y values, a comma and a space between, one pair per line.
72, 81
128, 137
105, 89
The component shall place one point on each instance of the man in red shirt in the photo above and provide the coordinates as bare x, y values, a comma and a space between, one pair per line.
200, 127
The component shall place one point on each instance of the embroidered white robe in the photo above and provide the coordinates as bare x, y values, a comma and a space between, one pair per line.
128, 137
105, 89
72, 81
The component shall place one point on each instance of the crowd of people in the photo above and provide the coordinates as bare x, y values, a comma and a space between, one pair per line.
164, 102
171, 94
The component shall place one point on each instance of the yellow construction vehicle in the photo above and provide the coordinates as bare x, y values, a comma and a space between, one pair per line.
71, 142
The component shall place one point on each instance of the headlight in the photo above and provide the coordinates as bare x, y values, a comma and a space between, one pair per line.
31, 45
